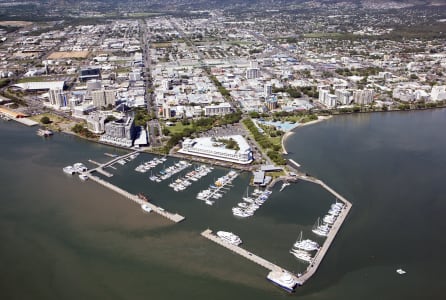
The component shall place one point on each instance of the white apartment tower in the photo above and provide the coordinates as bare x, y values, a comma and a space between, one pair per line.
103, 97
344, 96
252, 73
329, 100
363, 97
57, 97
438, 93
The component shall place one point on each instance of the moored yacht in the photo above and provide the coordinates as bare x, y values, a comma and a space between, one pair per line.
69, 170
146, 208
302, 255
283, 280
79, 167
307, 245
329, 219
83, 177
229, 237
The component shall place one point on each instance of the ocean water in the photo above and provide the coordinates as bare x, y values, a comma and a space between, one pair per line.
64, 238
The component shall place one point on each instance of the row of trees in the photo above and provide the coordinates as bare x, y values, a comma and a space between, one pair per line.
265, 143
81, 130
225, 93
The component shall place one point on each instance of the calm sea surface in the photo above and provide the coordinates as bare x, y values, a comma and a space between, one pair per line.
61, 238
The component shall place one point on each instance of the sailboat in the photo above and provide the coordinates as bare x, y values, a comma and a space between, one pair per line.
247, 198
284, 185
321, 230
307, 245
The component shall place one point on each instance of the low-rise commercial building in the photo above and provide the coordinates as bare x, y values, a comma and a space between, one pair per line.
210, 148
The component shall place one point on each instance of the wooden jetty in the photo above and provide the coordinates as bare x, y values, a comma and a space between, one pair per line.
138, 199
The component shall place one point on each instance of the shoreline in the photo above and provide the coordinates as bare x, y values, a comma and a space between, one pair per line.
291, 132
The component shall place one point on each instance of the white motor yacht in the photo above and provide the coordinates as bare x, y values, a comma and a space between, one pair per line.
229, 237
283, 280
69, 170
146, 208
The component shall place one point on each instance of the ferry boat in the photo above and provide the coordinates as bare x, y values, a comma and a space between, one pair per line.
69, 170
79, 167
229, 237
146, 208
283, 280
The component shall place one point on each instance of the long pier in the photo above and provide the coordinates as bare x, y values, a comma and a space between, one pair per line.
159, 210
246, 254
319, 256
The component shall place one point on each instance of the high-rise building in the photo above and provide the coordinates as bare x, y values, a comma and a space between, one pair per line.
167, 84
58, 98
344, 96
121, 132
327, 99
267, 90
438, 93
252, 73
363, 97
167, 112
271, 103
103, 97
96, 122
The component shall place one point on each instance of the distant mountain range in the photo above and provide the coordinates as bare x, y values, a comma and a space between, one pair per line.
259, 4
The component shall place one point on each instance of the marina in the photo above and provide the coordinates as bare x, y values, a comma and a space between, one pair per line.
216, 191
148, 165
328, 228
251, 203
140, 199
183, 183
301, 248
170, 171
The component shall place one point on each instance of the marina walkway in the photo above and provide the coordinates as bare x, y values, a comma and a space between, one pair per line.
100, 167
173, 217
319, 256
245, 253
220, 188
